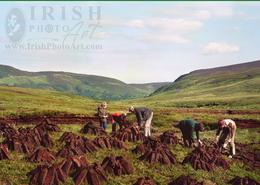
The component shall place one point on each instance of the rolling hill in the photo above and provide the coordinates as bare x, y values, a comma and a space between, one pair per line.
149, 88
19, 101
235, 85
92, 86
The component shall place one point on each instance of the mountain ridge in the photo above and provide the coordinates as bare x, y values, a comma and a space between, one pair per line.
224, 73
93, 86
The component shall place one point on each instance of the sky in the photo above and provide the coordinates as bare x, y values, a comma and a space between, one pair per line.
136, 42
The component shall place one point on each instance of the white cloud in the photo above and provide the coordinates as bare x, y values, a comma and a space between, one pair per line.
102, 35
202, 14
137, 23
180, 25
167, 24
203, 11
219, 48
165, 29
165, 38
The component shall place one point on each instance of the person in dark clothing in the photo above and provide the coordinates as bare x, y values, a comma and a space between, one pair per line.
118, 118
144, 118
103, 115
190, 131
223, 136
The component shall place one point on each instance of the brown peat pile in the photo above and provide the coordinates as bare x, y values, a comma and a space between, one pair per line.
243, 181
169, 137
131, 133
145, 181
92, 175
41, 154
47, 175
93, 128
206, 158
4, 152
185, 180
156, 152
74, 163
104, 142
117, 165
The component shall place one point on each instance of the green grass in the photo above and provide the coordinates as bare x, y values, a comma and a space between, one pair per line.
20, 101
23, 101
15, 170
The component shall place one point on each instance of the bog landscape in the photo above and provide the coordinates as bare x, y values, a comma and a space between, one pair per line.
49, 133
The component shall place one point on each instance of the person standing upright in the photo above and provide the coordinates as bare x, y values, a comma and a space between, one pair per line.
103, 115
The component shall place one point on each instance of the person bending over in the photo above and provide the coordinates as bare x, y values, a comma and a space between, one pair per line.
118, 118
190, 131
230, 140
144, 118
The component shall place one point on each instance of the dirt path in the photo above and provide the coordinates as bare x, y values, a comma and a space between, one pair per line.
81, 119
247, 123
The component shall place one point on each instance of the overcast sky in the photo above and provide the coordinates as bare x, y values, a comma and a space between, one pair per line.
136, 41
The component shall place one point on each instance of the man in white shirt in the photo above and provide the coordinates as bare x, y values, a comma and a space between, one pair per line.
231, 125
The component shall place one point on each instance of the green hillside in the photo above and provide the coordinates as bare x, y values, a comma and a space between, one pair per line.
230, 86
96, 87
19, 101
149, 88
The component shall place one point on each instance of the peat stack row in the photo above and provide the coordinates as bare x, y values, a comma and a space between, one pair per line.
46, 125
74, 163
132, 133
75, 145
243, 181
68, 137
41, 154
145, 181
205, 158
69, 150
93, 175
185, 180
140, 149
117, 165
4, 152
27, 142
93, 128
7, 130
148, 143
156, 152
47, 175
76, 167
169, 137
250, 157
104, 142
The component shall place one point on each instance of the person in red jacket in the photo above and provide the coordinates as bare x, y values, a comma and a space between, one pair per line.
118, 118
